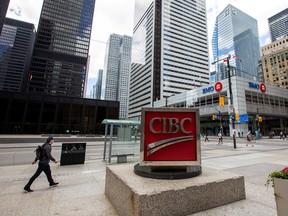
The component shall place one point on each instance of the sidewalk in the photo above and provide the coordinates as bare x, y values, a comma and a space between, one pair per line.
81, 188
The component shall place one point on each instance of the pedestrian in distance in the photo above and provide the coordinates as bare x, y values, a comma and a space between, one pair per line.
206, 137
43, 165
242, 133
249, 138
239, 134
220, 138
281, 135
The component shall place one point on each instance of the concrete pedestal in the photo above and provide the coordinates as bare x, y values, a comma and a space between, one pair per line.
131, 194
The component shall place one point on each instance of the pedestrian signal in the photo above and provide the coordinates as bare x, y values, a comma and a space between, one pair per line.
236, 116
260, 119
221, 101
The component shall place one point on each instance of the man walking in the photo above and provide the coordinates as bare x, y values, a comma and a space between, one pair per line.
43, 165
206, 137
220, 138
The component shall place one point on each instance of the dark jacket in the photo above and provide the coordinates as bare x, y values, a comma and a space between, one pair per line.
47, 154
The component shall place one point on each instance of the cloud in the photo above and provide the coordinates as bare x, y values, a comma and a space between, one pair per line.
27, 11
16, 10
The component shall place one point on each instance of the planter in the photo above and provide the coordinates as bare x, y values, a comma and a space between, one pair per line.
281, 196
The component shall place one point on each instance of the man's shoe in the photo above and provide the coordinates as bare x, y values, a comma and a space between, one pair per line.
28, 189
54, 184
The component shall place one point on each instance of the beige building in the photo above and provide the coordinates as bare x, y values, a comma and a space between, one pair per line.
274, 57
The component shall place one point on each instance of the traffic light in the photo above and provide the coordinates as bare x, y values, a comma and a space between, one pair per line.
214, 117
236, 116
259, 119
221, 101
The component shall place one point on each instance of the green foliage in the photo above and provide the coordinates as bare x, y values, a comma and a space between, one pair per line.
283, 174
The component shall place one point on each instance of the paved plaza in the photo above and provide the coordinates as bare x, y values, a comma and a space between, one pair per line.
81, 188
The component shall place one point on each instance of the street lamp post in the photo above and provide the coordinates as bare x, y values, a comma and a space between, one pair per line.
231, 96
258, 123
220, 117
166, 100
231, 101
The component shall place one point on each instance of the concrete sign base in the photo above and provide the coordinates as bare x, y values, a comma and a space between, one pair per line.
131, 194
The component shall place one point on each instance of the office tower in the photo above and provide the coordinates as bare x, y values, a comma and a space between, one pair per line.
98, 87
16, 45
86, 77
236, 33
274, 58
59, 62
117, 69
169, 51
278, 25
95, 92
3, 10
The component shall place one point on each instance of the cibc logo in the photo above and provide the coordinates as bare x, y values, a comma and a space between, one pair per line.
169, 134
172, 123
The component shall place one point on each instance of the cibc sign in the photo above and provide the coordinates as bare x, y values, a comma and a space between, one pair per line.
170, 137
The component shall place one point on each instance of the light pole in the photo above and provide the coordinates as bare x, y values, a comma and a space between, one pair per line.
231, 97
220, 117
166, 100
258, 123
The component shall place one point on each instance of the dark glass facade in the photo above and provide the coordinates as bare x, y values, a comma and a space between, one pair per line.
30, 113
59, 62
16, 44
3, 10
278, 25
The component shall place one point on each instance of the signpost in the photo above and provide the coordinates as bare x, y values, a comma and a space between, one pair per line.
170, 141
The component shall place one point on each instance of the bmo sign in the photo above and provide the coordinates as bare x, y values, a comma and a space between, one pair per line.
170, 137
217, 87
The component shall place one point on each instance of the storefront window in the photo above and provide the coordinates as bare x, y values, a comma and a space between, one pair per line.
266, 99
254, 98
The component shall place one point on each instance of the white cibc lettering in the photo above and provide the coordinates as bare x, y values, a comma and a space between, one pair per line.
182, 125
169, 125
151, 125
173, 122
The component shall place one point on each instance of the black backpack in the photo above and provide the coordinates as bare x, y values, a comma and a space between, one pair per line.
39, 151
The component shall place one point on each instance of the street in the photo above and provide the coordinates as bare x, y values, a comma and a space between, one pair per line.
19, 153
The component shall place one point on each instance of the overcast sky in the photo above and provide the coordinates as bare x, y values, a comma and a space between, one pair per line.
116, 16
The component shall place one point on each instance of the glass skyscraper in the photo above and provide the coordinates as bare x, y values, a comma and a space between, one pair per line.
99, 84
278, 25
117, 69
236, 33
169, 51
16, 45
59, 62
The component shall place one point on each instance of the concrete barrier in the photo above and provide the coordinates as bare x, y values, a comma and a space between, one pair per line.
131, 194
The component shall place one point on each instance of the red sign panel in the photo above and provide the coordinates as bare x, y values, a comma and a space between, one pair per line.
169, 135
262, 87
218, 86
